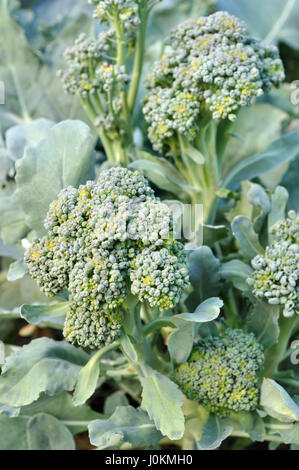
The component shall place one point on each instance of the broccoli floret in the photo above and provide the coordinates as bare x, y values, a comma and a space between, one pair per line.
126, 10
276, 273
89, 68
211, 67
287, 229
221, 372
91, 329
160, 276
104, 240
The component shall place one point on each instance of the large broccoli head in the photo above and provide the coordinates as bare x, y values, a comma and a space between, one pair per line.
106, 239
276, 272
221, 372
211, 67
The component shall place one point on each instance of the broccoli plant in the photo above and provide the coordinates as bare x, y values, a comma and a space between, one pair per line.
211, 68
98, 71
115, 324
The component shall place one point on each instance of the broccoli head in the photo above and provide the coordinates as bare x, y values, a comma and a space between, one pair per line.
276, 272
105, 240
211, 67
221, 372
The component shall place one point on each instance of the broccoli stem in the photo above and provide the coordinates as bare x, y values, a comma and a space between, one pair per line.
139, 56
275, 354
107, 144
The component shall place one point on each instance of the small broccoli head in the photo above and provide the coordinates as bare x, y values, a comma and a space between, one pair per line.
287, 229
91, 328
125, 10
48, 265
105, 239
160, 277
276, 272
221, 372
211, 67
89, 69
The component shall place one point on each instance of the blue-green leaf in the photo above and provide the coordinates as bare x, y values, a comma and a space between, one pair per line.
18, 137
243, 231
206, 311
237, 273
279, 201
276, 401
180, 341
17, 270
204, 272
44, 365
114, 400
44, 432
127, 424
263, 322
280, 151
51, 315
61, 406
214, 432
162, 399
65, 157
13, 433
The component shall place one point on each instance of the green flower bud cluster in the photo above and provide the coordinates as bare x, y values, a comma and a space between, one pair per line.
105, 239
276, 273
177, 113
287, 229
89, 68
160, 276
215, 62
91, 329
125, 10
221, 372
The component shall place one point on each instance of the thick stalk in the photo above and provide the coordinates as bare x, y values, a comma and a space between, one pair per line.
275, 353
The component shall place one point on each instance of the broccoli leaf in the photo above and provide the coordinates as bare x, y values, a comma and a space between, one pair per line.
258, 126
51, 315
180, 341
276, 401
44, 365
65, 157
114, 400
206, 311
127, 424
281, 150
17, 270
237, 273
162, 399
279, 201
244, 232
204, 274
61, 406
13, 433
214, 432
44, 432
290, 182
263, 322
18, 137
87, 381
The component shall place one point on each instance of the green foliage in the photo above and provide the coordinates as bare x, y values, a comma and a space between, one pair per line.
46, 366
162, 400
125, 425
